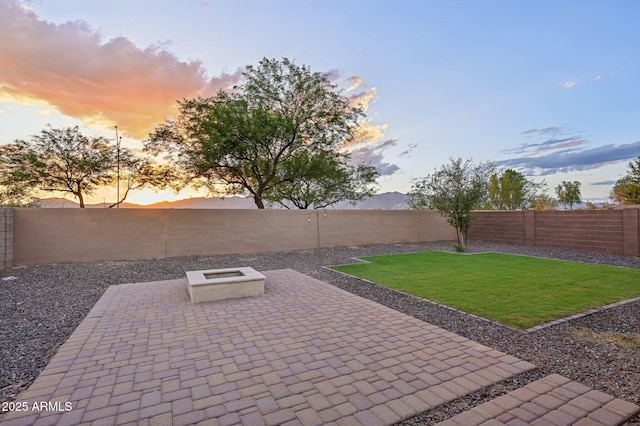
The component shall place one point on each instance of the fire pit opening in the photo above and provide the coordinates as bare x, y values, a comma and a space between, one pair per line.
214, 275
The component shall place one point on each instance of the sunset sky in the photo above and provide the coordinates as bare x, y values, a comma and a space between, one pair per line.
550, 88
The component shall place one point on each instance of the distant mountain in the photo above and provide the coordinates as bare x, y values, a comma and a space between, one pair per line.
234, 202
63, 203
384, 201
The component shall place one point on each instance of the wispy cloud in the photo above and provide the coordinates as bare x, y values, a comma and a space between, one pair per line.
367, 145
606, 75
553, 138
558, 149
545, 131
569, 84
604, 183
549, 145
408, 151
573, 160
367, 133
373, 155
72, 68
363, 99
354, 82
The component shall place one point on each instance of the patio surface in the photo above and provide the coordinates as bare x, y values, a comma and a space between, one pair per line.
304, 353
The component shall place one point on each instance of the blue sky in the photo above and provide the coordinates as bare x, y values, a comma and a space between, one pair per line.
550, 88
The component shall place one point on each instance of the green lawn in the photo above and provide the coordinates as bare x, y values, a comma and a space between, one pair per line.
516, 290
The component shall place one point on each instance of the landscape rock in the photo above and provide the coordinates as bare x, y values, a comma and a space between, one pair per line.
43, 305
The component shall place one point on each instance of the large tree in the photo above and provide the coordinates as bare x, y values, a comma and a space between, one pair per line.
320, 180
454, 190
569, 193
61, 160
15, 189
511, 190
242, 139
66, 161
627, 188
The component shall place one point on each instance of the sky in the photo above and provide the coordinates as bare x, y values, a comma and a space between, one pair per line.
550, 88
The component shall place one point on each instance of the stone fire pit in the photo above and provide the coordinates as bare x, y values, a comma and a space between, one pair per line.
220, 284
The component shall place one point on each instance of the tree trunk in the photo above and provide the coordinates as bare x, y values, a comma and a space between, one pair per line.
80, 199
258, 202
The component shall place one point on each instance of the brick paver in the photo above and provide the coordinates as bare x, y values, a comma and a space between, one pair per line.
552, 400
305, 352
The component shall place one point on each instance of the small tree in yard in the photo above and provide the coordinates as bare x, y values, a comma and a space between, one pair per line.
569, 193
454, 190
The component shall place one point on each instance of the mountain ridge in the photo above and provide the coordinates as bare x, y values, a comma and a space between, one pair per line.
384, 201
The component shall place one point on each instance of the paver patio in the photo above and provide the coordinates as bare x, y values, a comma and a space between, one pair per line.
552, 400
305, 353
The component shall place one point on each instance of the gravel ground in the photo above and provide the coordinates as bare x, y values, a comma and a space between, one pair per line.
42, 306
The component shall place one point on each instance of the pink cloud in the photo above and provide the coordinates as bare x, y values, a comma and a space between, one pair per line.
70, 67
568, 144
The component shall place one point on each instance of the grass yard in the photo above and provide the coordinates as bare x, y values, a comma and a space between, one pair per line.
516, 290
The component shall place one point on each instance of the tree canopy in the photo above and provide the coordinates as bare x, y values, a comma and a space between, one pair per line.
66, 161
15, 189
282, 124
544, 202
627, 188
569, 193
60, 160
138, 172
511, 190
454, 190
320, 180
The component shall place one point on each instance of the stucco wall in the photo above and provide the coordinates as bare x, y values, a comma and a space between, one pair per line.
63, 235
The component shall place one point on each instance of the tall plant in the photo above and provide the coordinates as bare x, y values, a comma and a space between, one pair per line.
454, 190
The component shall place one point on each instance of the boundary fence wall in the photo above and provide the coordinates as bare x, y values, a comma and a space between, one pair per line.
76, 235
607, 231
32, 236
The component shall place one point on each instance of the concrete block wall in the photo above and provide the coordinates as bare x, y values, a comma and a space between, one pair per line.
631, 231
588, 230
607, 231
31, 236
6, 238
499, 226
199, 232
361, 227
78, 235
